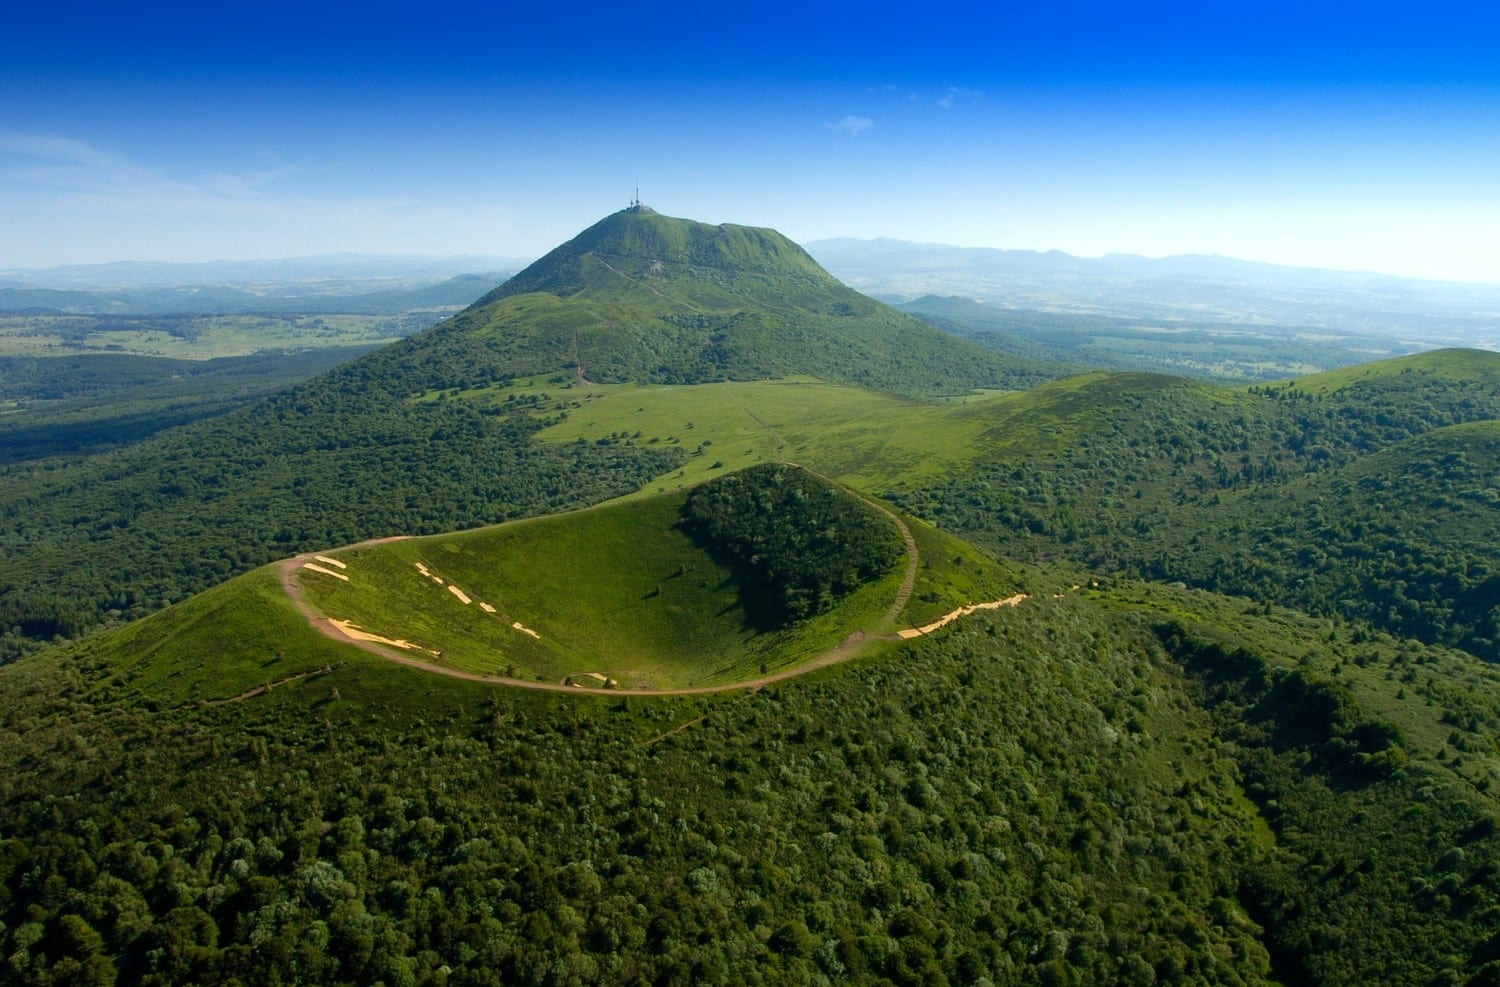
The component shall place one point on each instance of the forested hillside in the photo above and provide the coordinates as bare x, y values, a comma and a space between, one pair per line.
1337, 494
1131, 785
799, 542
644, 297
325, 463
79, 405
1009, 801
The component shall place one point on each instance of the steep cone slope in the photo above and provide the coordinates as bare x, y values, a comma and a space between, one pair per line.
654, 593
644, 297
350, 454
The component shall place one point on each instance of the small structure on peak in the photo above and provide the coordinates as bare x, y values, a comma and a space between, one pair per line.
636, 205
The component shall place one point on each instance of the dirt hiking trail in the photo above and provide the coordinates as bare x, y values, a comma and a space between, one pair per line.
843, 651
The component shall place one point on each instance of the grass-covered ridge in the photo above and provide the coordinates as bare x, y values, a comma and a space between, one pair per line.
1000, 800
622, 595
648, 298
796, 543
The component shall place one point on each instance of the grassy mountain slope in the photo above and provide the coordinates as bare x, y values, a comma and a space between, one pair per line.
999, 801
328, 462
1182, 481
359, 452
1049, 791
623, 593
644, 297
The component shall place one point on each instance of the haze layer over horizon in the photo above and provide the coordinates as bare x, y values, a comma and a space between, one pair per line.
1336, 135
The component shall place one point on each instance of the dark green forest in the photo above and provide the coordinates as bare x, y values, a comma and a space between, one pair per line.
798, 543
1129, 787
80, 405
1363, 501
1238, 726
120, 534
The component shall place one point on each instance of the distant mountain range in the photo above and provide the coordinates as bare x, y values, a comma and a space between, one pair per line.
1097, 769
1192, 287
350, 284
399, 268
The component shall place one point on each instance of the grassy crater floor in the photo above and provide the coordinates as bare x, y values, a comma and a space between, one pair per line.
615, 594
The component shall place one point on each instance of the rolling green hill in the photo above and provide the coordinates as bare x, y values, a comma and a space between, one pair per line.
644, 297
639, 594
1105, 780
1272, 491
376, 447
1403, 538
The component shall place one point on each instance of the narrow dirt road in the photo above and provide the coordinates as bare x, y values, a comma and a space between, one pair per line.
843, 651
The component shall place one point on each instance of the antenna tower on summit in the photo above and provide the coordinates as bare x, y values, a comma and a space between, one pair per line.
636, 202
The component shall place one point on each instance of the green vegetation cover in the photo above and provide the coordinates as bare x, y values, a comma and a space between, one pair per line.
644, 297
798, 542
1080, 767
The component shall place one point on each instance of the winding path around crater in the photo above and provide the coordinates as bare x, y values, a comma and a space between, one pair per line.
843, 651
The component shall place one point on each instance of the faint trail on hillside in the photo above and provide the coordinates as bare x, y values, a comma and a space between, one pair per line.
776, 443
677, 729
843, 651
583, 381
648, 286
260, 690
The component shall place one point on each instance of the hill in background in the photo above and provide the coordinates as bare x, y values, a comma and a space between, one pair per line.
405, 441
1192, 288
644, 297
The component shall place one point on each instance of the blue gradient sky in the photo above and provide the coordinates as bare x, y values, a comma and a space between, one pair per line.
1349, 135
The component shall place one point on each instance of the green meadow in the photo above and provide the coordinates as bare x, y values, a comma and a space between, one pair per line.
196, 337
615, 593
868, 439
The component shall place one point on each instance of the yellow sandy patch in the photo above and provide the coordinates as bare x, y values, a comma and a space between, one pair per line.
526, 630
597, 676
912, 632
422, 569
326, 572
486, 608
351, 630
462, 596
327, 561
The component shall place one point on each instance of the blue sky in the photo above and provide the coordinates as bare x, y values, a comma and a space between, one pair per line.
1350, 135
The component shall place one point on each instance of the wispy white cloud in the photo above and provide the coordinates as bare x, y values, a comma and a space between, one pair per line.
958, 94
57, 166
851, 125
64, 200
49, 147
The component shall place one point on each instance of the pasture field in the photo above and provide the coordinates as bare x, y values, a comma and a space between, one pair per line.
199, 337
870, 440
616, 592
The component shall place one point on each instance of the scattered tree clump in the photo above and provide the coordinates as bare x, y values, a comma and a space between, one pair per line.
797, 542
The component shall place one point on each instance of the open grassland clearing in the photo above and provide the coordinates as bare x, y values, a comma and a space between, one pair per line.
617, 591
198, 337
215, 645
868, 439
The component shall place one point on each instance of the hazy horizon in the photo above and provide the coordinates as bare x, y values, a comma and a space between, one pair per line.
518, 262
1351, 137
